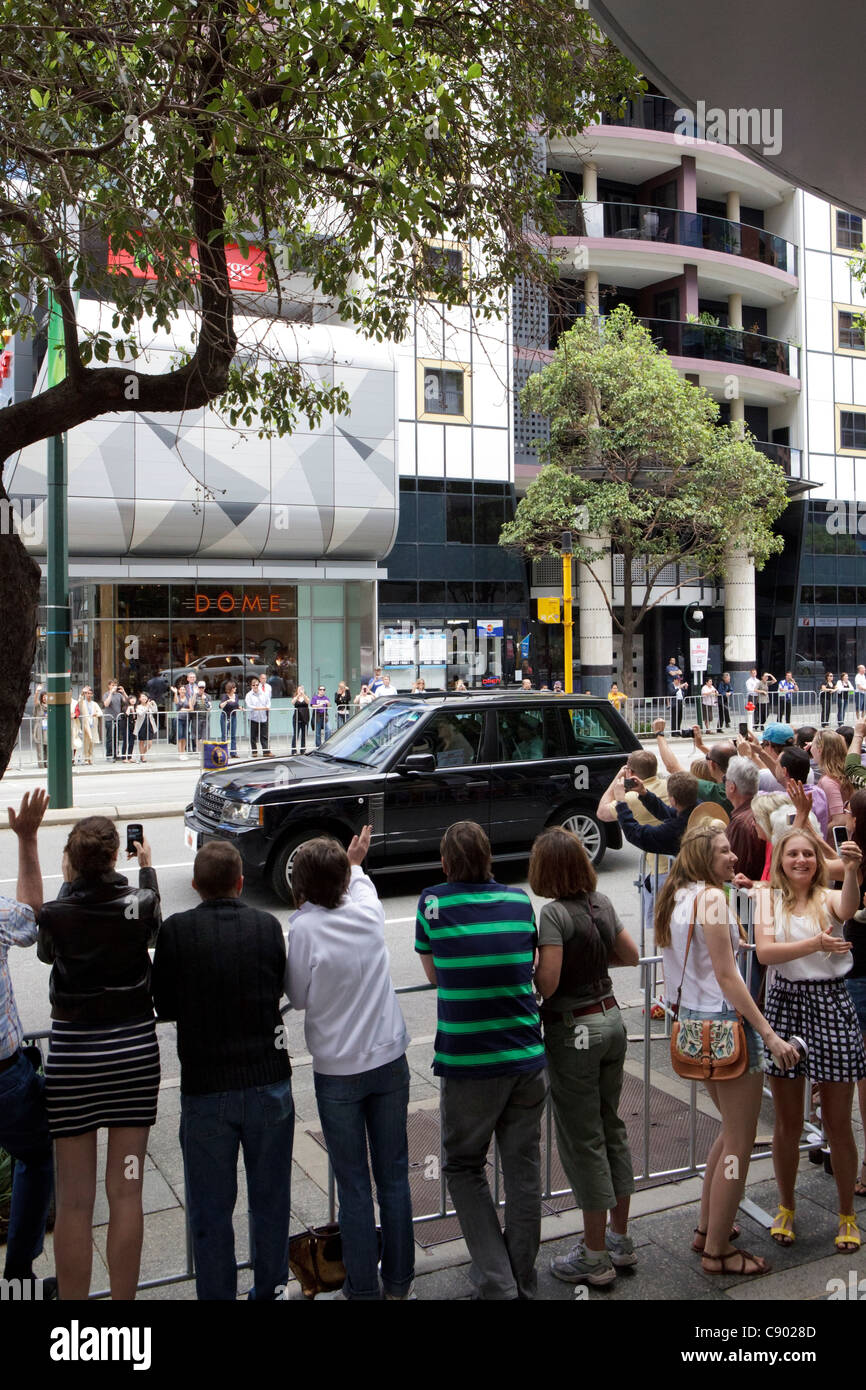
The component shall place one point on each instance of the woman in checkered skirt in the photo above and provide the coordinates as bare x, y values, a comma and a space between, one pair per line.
798, 931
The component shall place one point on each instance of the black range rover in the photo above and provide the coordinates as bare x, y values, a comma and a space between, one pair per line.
410, 765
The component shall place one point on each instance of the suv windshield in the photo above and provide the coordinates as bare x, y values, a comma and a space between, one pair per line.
373, 735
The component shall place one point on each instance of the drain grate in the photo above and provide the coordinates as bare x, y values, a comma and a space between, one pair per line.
669, 1148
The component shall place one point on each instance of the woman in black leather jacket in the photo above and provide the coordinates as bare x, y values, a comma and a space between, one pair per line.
103, 1061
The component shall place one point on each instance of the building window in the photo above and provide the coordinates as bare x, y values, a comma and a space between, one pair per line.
447, 262
851, 430
848, 232
444, 391
850, 336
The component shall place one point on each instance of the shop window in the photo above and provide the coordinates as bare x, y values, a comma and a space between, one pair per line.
444, 391
848, 594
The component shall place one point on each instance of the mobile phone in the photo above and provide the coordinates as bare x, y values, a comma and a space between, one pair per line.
134, 834
791, 815
630, 783
840, 835
744, 729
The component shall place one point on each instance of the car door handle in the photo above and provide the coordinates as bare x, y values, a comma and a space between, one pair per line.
477, 784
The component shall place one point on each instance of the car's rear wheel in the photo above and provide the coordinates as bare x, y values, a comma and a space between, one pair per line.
588, 830
281, 872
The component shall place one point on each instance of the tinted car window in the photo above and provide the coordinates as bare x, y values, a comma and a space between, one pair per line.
589, 729
456, 737
373, 735
527, 734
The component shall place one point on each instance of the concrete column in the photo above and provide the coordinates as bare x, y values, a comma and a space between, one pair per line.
689, 183
735, 313
738, 414
590, 182
596, 624
590, 291
740, 645
732, 207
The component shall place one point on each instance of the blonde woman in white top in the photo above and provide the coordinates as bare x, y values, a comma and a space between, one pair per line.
714, 988
798, 931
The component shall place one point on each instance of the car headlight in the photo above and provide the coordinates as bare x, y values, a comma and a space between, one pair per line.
241, 813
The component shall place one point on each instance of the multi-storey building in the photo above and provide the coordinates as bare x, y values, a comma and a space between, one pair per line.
704, 246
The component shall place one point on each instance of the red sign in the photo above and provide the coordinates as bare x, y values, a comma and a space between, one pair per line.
246, 272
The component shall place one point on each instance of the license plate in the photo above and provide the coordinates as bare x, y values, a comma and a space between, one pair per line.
190, 838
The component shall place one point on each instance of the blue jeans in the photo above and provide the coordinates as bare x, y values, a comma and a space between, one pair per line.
322, 729
24, 1134
229, 730
213, 1128
371, 1105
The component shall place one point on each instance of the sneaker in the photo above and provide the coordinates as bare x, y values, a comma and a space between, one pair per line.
181, 757
402, 1297
620, 1249
577, 1267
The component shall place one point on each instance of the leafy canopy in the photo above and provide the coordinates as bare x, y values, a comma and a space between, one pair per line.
335, 135
635, 452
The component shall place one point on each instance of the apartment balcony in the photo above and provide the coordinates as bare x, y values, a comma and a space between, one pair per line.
650, 113
730, 345
672, 227
791, 463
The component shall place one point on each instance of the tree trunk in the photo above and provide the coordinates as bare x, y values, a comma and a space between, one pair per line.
19, 603
627, 623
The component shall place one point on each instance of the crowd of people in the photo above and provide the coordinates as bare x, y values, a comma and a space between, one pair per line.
524, 1008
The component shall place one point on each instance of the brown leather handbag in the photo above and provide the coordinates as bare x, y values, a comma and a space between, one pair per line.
706, 1049
316, 1260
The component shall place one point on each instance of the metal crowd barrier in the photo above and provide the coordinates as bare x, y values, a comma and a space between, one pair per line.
113, 739
639, 712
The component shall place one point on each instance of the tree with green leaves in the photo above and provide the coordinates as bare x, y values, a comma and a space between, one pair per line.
142, 138
636, 455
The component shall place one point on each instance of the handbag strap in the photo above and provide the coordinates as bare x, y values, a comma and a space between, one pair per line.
694, 918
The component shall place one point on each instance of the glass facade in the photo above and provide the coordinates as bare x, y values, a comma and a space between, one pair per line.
830, 632
455, 605
310, 633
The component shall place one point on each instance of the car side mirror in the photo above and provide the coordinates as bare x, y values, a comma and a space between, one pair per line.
418, 763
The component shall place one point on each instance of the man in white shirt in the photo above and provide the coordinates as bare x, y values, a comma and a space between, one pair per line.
258, 703
386, 688
860, 692
338, 971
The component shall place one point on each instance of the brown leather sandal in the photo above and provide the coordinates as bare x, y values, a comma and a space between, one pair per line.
758, 1263
699, 1249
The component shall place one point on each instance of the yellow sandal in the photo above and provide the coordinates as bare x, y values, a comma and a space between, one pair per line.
782, 1230
848, 1239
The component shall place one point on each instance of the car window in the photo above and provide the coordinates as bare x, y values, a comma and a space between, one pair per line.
589, 729
456, 737
528, 734
375, 732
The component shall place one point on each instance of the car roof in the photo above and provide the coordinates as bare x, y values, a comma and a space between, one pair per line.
492, 697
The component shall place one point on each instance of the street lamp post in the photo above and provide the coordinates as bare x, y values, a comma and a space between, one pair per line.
57, 661
693, 619
567, 551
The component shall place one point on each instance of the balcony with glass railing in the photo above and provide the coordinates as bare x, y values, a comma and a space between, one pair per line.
651, 113
716, 344
675, 228
706, 342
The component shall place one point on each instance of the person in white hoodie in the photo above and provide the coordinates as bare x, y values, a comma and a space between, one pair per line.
338, 971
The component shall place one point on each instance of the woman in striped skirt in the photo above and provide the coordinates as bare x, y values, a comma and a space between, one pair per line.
103, 1061
798, 931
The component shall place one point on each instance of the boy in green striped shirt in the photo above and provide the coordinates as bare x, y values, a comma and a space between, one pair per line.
477, 941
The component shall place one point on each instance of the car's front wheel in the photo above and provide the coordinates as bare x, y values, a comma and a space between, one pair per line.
588, 830
281, 872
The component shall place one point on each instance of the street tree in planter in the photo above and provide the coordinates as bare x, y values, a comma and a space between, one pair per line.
143, 138
636, 455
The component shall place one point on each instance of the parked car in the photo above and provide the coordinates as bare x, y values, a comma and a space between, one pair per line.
410, 765
216, 670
